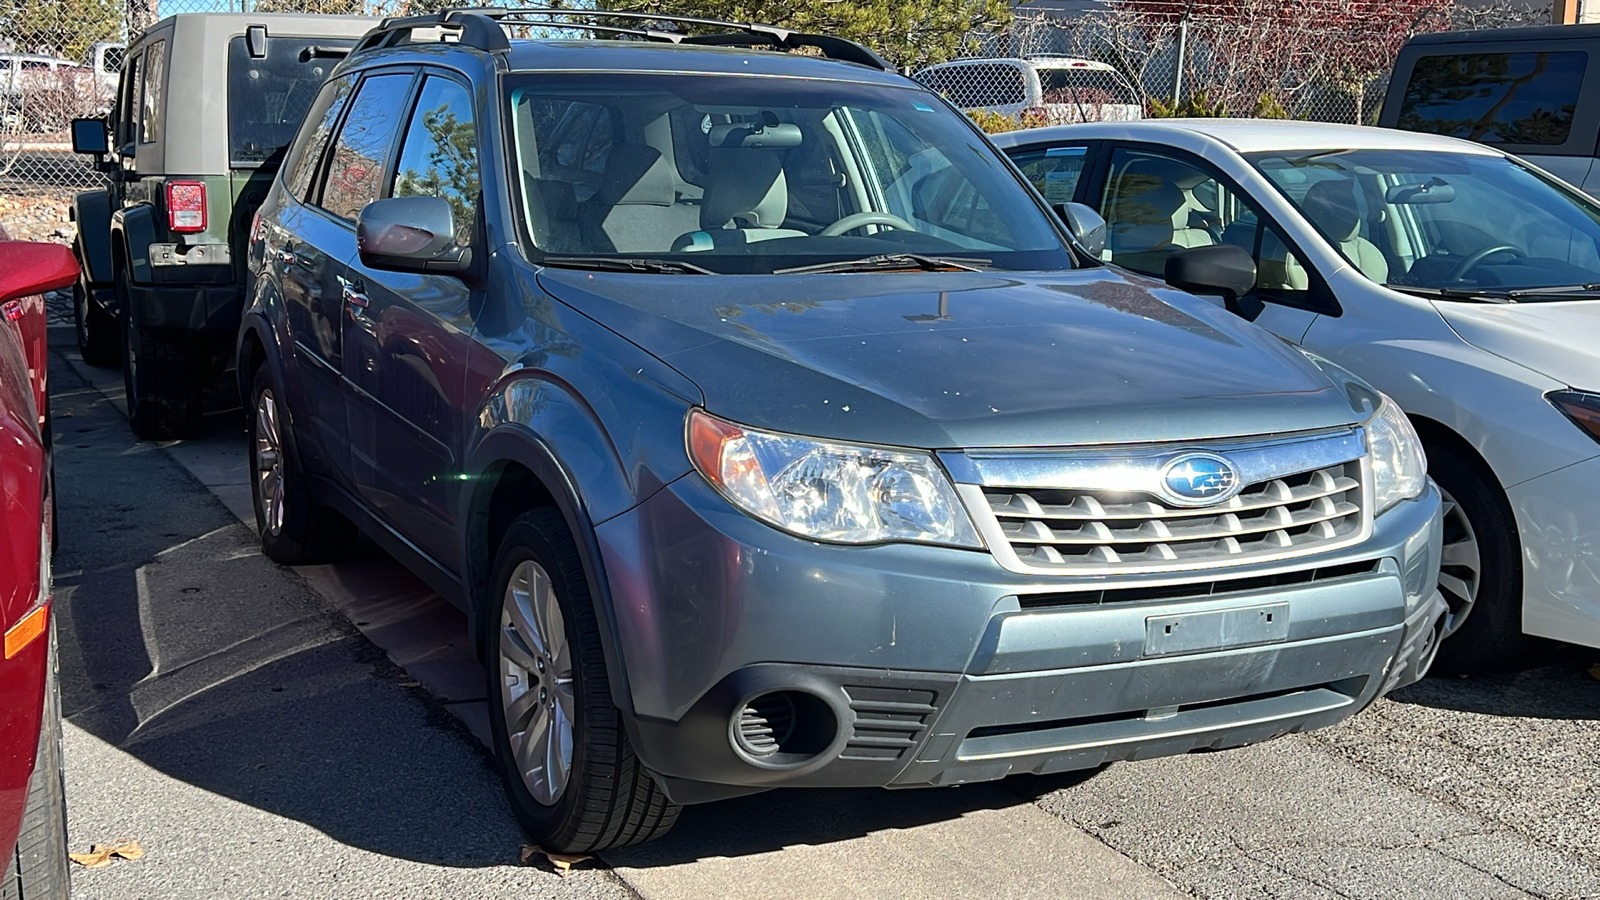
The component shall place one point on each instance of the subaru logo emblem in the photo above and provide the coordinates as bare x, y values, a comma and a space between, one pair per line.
1200, 479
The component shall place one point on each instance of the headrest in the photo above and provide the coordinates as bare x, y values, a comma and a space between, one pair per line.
744, 184
637, 173
1331, 206
1141, 200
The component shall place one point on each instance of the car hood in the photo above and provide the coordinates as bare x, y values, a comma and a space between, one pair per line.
1557, 340
958, 359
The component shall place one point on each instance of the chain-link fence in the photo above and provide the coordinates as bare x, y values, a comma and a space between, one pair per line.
1327, 60
1322, 59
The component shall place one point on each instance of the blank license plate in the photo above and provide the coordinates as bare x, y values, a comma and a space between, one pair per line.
1246, 626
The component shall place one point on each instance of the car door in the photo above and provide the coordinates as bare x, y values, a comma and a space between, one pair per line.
1157, 201
318, 247
407, 346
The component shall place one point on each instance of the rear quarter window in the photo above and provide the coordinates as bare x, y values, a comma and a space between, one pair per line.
152, 117
1495, 98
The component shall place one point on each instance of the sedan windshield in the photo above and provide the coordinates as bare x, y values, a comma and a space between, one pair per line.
1454, 225
753, 175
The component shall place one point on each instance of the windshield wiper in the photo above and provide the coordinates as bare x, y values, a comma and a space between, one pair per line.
1453, 293
627, 264
889, 262
1555, 291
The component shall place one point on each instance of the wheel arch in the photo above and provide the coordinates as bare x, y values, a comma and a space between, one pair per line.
514, 470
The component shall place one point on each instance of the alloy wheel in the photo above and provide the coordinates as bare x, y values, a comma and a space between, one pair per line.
1461, 564
269, 463
536, 684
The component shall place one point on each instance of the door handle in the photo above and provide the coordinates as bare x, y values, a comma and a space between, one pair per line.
355, 297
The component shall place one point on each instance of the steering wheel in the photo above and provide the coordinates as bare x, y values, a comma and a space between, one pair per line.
1472, 260
870, 217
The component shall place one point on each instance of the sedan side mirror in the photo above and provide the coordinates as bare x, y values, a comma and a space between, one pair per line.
1220, 269
410, 234
1085, 225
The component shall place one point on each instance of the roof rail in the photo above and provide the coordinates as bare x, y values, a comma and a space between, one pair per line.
484, 29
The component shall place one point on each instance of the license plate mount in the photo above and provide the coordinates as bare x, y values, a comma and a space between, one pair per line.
1218, 629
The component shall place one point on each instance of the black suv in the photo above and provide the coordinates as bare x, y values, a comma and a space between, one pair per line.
771, 431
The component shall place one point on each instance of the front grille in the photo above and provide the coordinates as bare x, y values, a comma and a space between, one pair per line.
1098, 532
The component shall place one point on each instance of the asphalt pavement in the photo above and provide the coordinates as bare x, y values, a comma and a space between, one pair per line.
269, 732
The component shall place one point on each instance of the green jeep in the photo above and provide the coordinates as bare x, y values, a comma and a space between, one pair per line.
207, 104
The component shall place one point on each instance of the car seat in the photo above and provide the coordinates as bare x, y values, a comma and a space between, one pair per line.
746, 193
636, 209
1331, 206
1141, 233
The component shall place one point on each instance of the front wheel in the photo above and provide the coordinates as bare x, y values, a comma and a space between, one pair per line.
38, 866
570, 773
1480, 574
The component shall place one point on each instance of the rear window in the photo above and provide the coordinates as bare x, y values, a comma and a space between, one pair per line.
268, 98
1085, 85
1495, 98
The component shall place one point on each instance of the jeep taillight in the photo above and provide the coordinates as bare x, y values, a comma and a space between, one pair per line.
186, 206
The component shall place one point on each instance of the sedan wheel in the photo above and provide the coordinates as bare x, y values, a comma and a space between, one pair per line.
1461, 565
536, 683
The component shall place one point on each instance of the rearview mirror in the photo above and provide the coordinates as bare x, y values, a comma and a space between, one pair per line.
1435, 190
1085, 225
90, 136
32, 268
1220, 269
410, 234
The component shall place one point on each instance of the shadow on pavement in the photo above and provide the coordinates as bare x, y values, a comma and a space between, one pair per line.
1562, 688
185, 648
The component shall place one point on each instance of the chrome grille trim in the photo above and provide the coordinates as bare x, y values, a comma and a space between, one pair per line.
1098, 511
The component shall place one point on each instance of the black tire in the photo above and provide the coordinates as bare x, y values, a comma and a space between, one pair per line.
1489, 638
609, 800
38, 866
164, 379
99, 337
304, 531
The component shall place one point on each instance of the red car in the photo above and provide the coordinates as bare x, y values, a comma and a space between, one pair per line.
32, 806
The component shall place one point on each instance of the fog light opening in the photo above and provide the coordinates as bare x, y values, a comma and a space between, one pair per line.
784, 728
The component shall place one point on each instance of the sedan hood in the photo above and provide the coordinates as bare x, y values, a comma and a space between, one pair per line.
958, 359
1557, 340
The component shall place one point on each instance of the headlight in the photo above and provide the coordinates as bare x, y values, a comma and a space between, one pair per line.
1582, 407
1399, 467
829, 491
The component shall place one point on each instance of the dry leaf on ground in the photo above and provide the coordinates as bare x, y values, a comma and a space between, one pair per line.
99, 855
1594, 671
561, 862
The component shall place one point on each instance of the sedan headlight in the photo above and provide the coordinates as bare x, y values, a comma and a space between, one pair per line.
1582, 407
1399, 467
830, 491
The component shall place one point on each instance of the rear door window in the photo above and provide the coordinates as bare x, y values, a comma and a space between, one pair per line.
1495, 98
268, 98
325, 112
355, 171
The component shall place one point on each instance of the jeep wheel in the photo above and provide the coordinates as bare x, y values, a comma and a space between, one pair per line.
164, 380
38, 865
99, 342
571, 774
294, 528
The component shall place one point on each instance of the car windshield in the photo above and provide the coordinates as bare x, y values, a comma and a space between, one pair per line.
756, 175
1457, 224
268, 97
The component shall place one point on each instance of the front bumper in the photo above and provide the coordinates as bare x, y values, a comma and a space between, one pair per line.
936, 666
1559, 527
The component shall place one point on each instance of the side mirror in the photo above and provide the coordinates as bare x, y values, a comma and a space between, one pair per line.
1085, 225
28, 268
1221, 269
410, 234
90, 136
